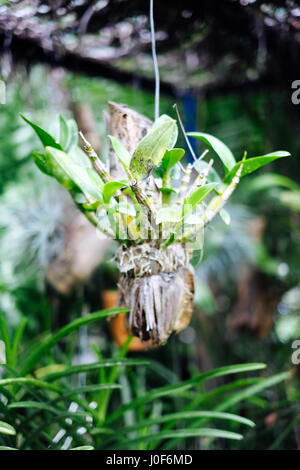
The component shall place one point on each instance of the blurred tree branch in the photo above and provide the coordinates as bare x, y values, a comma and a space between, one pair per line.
201, 45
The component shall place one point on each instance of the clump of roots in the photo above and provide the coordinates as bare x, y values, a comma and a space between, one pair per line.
157, 285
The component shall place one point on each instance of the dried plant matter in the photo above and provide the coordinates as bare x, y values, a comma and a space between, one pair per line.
158, 286
155, 207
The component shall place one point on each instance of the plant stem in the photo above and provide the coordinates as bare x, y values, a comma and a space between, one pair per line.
145, 202
96, 162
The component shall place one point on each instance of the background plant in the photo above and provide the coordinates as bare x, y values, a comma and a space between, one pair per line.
48, 403
27, 296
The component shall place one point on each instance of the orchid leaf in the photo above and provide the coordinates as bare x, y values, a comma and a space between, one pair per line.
46, 139
85, 178
110, 188
171, 157
199, 195
223, 152
120, 151
152, 147
254, 163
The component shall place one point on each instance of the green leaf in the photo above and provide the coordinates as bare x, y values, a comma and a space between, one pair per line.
223, 152
225, 216
42, 348
58, 418
7, 429
271, 180
85, 178
167, 191
28, 381
163, 119
205, 398
77, 156
167, 214
92, 206
169, 390
171, 157
237, 397
254, 163
4, 334
42, 163
253, 390
95, 366
199, 195
88, 389
68, 133
120, 151
183, 415
17, 340
291, 199
59, 412
152, 147
63, 132
7, 448
32, 404
83, 448
110, 188
48, 165
182, 434
46, 139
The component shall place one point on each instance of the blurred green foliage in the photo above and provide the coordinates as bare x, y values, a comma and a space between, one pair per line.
257, 121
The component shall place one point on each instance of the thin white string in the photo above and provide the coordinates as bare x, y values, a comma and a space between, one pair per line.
155, 63
184, 133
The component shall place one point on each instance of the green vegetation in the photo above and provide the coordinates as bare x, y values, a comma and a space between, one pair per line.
64, 384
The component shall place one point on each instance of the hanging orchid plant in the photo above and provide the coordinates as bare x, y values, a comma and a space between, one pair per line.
157, 212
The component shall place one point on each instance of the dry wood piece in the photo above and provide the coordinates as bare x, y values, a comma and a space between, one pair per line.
158, 287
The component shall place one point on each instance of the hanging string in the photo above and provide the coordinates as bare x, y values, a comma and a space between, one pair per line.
184, 133
155, 63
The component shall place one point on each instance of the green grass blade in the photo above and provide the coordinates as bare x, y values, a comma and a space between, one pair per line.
6, 428
4, 334
181, 386
7, 448
28, 381
17, 340
182, 434
43, 348
32, 404
237, 397
83, 448
176, 417
94, 366
87, 389
104, 397
253, 390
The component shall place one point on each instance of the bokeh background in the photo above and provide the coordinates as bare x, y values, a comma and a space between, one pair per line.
229, 66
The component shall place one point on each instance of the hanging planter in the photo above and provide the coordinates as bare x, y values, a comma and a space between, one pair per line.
158, 287
153, 205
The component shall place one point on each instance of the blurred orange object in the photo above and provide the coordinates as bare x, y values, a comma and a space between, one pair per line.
118, 324
271, 419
